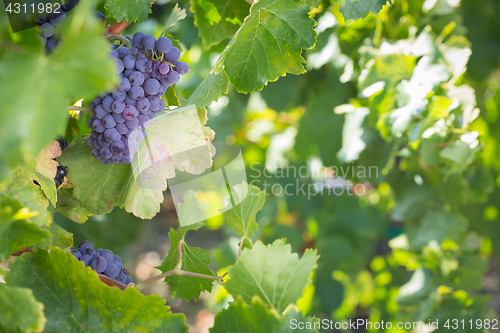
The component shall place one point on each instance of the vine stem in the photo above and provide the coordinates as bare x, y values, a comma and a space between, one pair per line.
123, 40
79, 108
241, 246
177, 271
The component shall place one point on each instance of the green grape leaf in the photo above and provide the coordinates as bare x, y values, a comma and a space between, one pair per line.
19, 310
256, 317
218, 20
190, 215
59, 237
176, 15
437, 225
71, 207
353, 10
129, 10
249, 201
194, 260
214, 86
98, 187
461, 153
15, 233
75, 300
80, 66
272, 272
175, 139
268, 44
32, 196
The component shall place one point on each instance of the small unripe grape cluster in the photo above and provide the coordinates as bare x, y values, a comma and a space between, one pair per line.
102, 261
48, 24
120, 117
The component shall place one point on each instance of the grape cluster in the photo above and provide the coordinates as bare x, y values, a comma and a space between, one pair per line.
49, 23
102, 261
119, 117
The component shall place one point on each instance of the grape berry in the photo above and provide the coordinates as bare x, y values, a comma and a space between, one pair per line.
102, 261
119, 117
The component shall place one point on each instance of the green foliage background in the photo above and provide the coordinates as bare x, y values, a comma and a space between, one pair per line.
411, 95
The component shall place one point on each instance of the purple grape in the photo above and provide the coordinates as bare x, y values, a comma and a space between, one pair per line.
182, 68
96, 153
130, 112
100, 113
123, 51
118, 147
149, 66
118, 106
86, 259
173, 77
102, 141
161, 108
143, 104
51, 44
136, 92
106, 103
148, 42
119, 95
142, 119
154, 103
151, 115
112, 270
90, 141
164, 44
141, 64
129, 61
114, 54
112, 135
146, 75
94, 134
105, 160
98, 126
47, 30
151, 86
121, 278
164, 68
124, 85
98, 264
76, 254
136, 78
108, 121
115, 257
137, 39
85, 247
122, 128
127, 72
132, 123
97, 145
130, 101
126, 159
173, 55
161, 91
164, 82
119, 65
118, 118
106, 152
